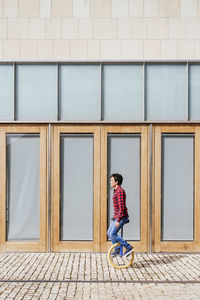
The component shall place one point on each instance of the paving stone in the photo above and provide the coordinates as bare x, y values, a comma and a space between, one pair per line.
90, 276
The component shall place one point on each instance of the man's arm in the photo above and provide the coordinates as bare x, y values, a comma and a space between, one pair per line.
121, 197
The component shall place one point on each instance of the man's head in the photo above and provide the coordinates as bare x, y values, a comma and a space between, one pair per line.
115, 180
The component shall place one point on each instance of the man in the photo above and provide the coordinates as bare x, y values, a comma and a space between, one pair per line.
120, 216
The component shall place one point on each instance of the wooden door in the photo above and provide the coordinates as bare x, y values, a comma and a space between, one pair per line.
176, 193
128, 138
75, 188
23, 188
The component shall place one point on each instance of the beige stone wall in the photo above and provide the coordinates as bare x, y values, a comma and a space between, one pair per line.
99, 29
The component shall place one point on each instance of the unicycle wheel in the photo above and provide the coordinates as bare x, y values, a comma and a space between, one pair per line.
118, 261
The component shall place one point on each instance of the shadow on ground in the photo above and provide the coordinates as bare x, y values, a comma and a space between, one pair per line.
158, 261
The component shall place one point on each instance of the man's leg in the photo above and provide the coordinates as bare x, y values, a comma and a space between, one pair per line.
115, 238
112, 224
109, 233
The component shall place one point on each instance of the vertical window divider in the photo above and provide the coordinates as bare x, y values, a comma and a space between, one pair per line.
58, 94
150, 187
101, 100
49, 190
14, 93
144, 96
187, 92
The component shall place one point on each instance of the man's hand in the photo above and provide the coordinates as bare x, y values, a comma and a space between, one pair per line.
117, 224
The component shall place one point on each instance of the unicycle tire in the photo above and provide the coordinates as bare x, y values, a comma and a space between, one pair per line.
118, 261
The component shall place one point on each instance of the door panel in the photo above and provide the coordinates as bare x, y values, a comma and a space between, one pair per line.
124, 155
176, 194
124, 149
23, 180
76, 188
177, 187
76, 168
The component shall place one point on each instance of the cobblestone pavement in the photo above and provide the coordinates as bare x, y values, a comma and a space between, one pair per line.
90, 276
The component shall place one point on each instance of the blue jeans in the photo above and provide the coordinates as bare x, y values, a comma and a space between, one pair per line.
112, 233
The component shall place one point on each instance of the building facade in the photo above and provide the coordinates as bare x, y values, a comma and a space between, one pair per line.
92, 87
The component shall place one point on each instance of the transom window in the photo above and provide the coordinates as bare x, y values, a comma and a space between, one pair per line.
100, 92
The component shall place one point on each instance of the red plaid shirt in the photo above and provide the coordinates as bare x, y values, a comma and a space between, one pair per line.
119, 204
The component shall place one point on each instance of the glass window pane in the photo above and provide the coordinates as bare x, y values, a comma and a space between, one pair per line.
23, 187
194, 92
80, 92
123, 92
177, 187
36, 92
76, 187
124, 158
166, 92
6, 92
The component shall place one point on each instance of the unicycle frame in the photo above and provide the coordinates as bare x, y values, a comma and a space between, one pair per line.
121, 247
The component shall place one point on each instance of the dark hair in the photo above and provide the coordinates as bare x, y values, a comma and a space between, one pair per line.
117, 178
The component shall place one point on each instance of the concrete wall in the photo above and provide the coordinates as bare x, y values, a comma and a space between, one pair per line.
99, 29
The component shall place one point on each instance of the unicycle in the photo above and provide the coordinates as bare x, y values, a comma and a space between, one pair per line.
118, 261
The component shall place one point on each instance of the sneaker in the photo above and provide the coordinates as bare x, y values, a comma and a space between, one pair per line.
128, 251
115, 253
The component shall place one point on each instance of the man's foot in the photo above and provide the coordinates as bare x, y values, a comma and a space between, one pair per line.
115, 253
128, 251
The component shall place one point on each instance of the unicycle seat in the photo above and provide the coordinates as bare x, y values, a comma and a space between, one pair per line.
112, 219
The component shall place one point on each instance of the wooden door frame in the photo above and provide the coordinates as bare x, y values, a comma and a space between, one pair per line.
142, 245
174, 246
56, 244
25, 246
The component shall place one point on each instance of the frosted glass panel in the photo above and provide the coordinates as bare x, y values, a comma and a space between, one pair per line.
36, 92
76, 187
123, 92
177, 187
166, 92
194, 92
80, 92
23, 187
6, 92
124, 158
